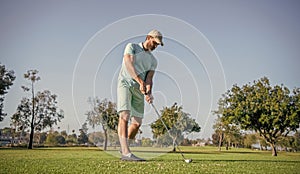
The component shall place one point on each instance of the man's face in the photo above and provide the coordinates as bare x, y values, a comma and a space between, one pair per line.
153, 44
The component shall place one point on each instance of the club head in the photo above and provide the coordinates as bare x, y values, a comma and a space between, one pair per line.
188, 160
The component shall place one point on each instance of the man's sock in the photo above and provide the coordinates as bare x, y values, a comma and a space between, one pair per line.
128, 155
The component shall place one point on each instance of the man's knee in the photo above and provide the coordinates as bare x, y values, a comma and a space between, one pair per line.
124, 115
137, 121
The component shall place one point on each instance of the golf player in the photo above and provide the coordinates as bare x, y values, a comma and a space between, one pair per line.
134, 87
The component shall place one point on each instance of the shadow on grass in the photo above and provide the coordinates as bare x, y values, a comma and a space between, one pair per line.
53, 148
218, 152
193, 152
225, 161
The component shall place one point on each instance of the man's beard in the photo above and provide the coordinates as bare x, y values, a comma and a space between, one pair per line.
152, 48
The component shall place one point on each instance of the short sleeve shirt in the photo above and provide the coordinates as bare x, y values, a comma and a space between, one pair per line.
144, 61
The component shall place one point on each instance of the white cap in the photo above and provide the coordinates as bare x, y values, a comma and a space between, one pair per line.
157, 36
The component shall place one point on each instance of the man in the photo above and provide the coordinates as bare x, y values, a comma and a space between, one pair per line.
135, 86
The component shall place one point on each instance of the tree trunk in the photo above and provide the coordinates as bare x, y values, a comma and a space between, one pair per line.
31, 132
220, 140
174, 146
274, 152
260, 147
32, 119
31, 137
174, 149
105, 140
13, 137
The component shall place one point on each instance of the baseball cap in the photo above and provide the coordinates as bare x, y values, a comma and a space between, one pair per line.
157, 36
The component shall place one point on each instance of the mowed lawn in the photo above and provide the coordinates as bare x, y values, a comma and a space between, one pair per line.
93, 160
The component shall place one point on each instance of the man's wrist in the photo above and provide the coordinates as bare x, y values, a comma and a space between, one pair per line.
138, 79
148, 92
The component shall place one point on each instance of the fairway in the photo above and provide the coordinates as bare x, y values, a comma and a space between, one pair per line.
93, 160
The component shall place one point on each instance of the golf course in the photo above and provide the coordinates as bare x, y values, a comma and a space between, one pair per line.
149, 87
94, 160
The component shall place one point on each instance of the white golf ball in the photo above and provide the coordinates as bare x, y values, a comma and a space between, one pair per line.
188, 160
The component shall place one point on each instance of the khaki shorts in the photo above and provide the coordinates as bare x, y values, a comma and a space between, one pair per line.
131, 99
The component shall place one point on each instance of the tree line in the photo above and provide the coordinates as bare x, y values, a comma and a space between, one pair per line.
254, 113
103, 115
40, 111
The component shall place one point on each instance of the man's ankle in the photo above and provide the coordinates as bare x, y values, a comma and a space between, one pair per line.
128, 154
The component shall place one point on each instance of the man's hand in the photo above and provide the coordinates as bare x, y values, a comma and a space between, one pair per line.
142, 86
149, 98
148, 88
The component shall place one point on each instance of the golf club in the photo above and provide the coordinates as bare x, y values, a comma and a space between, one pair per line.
157, 113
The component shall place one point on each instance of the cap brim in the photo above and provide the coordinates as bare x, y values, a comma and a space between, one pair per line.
159, 41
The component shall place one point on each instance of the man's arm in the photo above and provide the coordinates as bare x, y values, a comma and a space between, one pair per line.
129, 61
149, 81
149, 84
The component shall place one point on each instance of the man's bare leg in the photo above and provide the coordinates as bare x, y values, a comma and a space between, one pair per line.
134, 127
123, 131
132, 131
123, 137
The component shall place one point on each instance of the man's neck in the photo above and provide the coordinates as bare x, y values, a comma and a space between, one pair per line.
145, 46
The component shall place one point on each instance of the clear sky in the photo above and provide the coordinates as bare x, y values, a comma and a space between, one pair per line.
210, 45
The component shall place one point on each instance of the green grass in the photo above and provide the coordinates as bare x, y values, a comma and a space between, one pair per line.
92, 160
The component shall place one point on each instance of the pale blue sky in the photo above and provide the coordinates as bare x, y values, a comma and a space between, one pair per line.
251, 39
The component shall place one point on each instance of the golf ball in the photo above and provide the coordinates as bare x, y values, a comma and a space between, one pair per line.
188, 160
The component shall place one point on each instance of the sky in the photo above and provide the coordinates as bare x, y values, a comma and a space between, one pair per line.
77, 47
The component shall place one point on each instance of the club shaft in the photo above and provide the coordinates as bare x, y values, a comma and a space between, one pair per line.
159, 116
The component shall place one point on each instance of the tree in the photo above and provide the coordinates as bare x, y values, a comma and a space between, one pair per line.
51, 139
219, 136
83, 137
72, 139
177, 122
60, 139
104, 113
226, 132
286, 143
42, 137
262, 142
146, 142
64, 134
166, 140
271, 111
6, 81
233, 136
39, 112
249, 140
54, 138
96, 138
296, 142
